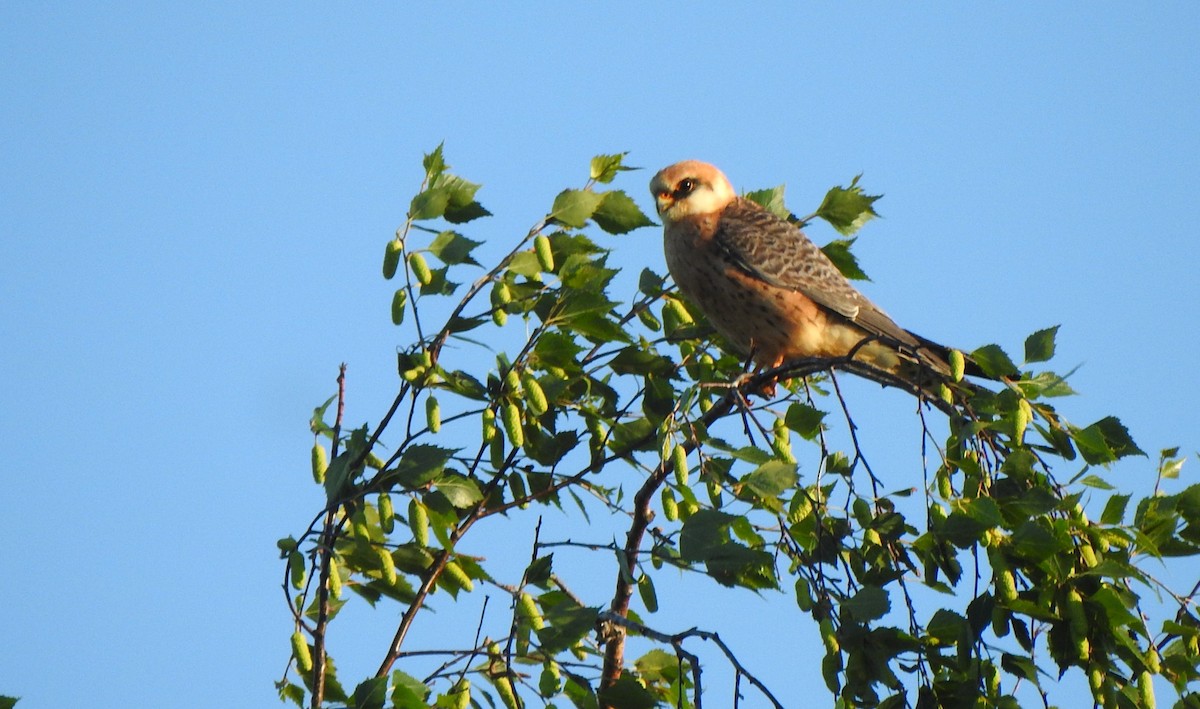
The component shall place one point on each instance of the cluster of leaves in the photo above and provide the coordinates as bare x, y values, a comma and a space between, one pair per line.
593, 385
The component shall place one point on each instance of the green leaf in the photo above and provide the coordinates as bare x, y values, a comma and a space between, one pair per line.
1039, 346
636, 434
333, 688
461, 207
1105, 441
574, 207
580, 272
1044, 384
619, 214
566, 624
771, 479
464, 385
460, 324
659, 398
994, 361
567, 243
429, 204
705, 538
623, 567
525, 263
420, 465
745, 531
650, 283
434, 164
637, 360
838, 251
963, 530
628, 693
556, 349
408, 692
605, 167
438, 283
1058, 438
770, 200
1173, 628
1115, 608
1118, 437
1019, 666
946, 626
571, 303
1114, 510
337, 476
538, 572
598, 328
869, 603
317, 422
847, 209
462, 492
1168, 465
462, 192
1189, 504
465, 213
548, 449
370, 694
10, 702
983, 510
658, 665
286, 545
805, 420
1097, 482
703, 532
1036, 543
750, 454
287, 691
453, 248
579, 690
1030, 503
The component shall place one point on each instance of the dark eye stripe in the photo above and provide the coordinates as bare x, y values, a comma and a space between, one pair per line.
686, 187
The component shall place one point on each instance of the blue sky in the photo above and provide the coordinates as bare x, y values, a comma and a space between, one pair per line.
196, 198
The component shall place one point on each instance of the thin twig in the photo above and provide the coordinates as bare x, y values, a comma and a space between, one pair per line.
677, 639
325, 554
437, 567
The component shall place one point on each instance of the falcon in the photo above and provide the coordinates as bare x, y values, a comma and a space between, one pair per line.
772, 293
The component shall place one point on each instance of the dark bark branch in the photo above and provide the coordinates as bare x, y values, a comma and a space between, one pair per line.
325, 555
676, 641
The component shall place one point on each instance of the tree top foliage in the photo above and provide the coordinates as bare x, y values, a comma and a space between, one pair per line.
528, 386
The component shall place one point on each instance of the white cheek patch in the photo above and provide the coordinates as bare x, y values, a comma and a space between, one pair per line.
706, 202
702, 201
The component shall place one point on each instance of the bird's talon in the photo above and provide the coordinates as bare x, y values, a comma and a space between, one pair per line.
765, 389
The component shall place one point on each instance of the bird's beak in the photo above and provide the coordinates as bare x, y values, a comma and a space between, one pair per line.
663, 201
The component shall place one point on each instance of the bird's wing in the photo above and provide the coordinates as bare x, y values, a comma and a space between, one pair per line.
773, 250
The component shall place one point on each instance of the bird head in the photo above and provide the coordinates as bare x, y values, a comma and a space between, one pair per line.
688, 188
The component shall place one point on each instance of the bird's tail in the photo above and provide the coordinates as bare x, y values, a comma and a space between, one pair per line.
940, 357
924, 368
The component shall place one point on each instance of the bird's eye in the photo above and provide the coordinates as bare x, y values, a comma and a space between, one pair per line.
686, 186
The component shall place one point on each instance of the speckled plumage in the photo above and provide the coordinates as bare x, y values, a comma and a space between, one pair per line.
766, 288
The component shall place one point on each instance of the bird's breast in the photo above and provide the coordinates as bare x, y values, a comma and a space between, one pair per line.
752, 314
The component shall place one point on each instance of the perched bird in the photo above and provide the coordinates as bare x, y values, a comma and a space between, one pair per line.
770, 291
